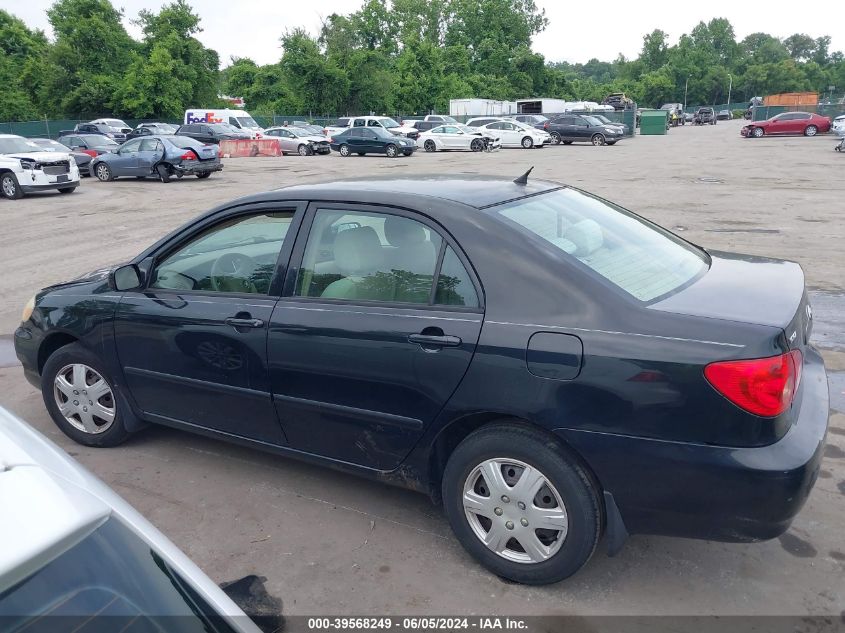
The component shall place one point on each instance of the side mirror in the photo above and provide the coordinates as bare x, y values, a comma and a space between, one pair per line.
126, 277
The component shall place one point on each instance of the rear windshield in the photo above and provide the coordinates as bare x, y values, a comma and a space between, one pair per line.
184, 142
637, 256
97, 140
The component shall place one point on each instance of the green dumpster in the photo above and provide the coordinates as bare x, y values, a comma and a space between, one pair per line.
654, 121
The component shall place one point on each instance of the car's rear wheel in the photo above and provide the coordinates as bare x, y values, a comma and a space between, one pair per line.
163, 172
611, 142
81, 397
527, 142
567, 142
430, 146
811, 130
391, 151
477, 145
9, 186
67, 189
303, 150
757, 132
204, 174
343, 150
598, 139
103, 172
556, 138
521, 504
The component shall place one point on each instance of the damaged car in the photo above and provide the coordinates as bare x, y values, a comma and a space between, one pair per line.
25, 167
162, 157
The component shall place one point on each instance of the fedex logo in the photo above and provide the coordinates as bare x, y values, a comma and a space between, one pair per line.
205, 116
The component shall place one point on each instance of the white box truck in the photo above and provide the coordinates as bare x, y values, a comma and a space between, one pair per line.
240, 119
481, 107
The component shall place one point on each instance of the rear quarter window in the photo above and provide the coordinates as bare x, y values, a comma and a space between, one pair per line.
633, 254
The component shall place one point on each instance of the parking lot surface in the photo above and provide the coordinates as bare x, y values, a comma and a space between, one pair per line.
331, 543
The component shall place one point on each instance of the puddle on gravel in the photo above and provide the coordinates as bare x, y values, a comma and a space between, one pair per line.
836, 384
828, 319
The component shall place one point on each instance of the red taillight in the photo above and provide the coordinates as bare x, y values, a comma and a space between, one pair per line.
545, 125
91, 152
762, 386
188, 156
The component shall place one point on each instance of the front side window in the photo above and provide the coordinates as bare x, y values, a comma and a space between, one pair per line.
149, 145
131, 146
362, 256
640, 258
238, 255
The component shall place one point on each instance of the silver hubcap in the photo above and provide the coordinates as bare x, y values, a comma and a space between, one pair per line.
303, 151
515, 510
758, 132
344, 151
102, 172
811, 131
8, 186
391, 151
526, 143
84, 398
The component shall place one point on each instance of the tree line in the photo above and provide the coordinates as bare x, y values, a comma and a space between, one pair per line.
409, 56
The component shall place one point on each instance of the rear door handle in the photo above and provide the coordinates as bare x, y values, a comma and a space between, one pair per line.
236, 322
435, 341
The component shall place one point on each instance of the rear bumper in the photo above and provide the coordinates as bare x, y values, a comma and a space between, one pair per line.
711, 492
197, 168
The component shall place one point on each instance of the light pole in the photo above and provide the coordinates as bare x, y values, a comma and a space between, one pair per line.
686, 85
730, 85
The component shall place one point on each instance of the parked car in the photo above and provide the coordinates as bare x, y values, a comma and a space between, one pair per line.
572, 128
605, 377
724, 115
294, 140
838, 126
27, 168
311, 128
536, 120
212, 132
516, 134
383, 122
688, 117
436, 119
806, 123
704, 115
483, 120
159, 156
77, 557
457, 137
91, 144
115, 130
371, 140
148, 129
676, 113
618, 100
625, 129
83, 159
421, 126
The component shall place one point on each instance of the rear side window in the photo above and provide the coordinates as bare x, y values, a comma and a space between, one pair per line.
640, 258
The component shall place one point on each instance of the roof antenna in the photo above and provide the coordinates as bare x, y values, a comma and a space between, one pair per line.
523, 179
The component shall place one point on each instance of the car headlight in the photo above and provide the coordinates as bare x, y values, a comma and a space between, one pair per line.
27, 309
26, 164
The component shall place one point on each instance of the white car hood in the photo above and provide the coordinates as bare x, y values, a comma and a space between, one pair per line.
315, 138
41, 157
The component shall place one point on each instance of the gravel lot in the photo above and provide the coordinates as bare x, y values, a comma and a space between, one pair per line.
329, 542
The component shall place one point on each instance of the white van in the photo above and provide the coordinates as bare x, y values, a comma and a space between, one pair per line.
240, 119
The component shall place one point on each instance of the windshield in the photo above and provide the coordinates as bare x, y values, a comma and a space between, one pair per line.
15, 145
601, 118
185, 142
467, 129
114, 123
633, 254
115, 575
247, 121
98, 140
224, 127
592, 120
51, 145
388, 122
448, 119
164, 128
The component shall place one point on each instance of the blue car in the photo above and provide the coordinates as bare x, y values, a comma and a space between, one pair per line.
548, 365
160, 156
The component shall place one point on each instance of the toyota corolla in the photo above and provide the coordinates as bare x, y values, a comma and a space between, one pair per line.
547, 364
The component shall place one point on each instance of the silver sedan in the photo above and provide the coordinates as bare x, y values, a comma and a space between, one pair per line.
294, 140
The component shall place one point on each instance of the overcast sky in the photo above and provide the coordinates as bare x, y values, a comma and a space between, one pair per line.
576, 32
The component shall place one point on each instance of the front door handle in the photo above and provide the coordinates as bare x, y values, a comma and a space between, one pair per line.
237, 323
431, 340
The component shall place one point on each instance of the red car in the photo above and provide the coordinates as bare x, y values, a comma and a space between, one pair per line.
805, 123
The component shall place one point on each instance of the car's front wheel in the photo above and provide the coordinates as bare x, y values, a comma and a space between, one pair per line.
391, 151
521, 504
527, 142
303, 150
430, 146
757, 132
476, 145
9, 186
67, 189
343, 150
556, 138
598, 139
103, 172
811, 130
80, 397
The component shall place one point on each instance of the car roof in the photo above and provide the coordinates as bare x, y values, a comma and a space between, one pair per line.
473, 191
10, 136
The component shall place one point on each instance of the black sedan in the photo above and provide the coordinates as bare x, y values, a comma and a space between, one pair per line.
371, 140
83, 159
212, 132
91, 144
149, 129
572, 128
604, 377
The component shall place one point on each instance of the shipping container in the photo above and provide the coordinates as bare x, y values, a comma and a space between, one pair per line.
792, 99
481, 107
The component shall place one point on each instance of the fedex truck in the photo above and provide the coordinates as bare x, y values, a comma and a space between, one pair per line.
240, 119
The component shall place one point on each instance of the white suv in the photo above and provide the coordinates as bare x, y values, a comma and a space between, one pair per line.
26, 167
385, 122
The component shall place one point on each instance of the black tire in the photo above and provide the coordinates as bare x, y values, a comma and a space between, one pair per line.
103, 172
68, 189
361, 153
527, 142
757, 132
163, 172
343, 150
577, 491
567, 142
430, 145
556, 138
598, 139
391, 150
811, 130
204, 174
477, 145
611, 142
71, 354
9, 187
407, 152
